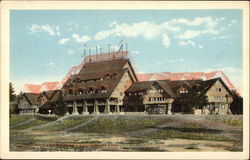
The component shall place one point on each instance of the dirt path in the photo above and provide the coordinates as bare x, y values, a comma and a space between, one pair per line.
24, 123
49, 123
83, 124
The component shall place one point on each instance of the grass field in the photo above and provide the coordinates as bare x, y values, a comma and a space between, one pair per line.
126, 133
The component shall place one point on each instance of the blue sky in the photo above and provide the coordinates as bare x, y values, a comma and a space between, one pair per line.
45, 44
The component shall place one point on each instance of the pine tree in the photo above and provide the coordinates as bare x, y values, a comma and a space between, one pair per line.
12, 93
61, 107
237, 105
197, 98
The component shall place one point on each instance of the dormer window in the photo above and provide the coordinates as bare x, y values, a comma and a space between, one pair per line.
115, 75
91, 90
70, 91
103, 89
80, 91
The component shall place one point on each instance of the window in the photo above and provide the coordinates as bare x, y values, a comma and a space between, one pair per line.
222, 106
103, 89
80, 91
160, 90
70, 91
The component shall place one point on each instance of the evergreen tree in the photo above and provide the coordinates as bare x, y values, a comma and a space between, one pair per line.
61, 107
12, 94
196, 98
236, 106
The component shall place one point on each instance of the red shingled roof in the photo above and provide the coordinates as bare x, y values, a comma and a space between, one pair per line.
36, 88
31, 88
185, 76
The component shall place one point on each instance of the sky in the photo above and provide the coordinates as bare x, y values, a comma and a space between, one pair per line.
44, 44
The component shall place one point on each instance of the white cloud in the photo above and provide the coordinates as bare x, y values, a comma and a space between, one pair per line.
220, 37
189, 42
232, 22
145, 29
63, 41
189, 34
176, 60
50, 63
159, 62
134, 52
200, 46
207, 21
71, 51
79, 39
51, 30
168, 29
165, 40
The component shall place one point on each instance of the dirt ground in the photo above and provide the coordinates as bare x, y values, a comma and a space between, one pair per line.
29, 139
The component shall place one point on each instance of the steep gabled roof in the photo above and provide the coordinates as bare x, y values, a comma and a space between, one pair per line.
109, 84
186, 76
143, 86
32, 98
166, 86
140, 86
104, 66
49, 86
36, 88
31, 88
209, 83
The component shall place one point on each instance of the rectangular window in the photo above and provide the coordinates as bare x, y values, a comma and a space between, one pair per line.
222, 106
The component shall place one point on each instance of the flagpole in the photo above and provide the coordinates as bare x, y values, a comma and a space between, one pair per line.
113, 52
89, 55
109, 51
126, 50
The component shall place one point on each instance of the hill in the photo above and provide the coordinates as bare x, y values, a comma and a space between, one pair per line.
126, 133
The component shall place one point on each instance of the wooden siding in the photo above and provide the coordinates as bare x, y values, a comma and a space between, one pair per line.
214, 95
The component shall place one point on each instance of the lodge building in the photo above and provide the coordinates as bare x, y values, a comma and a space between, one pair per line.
108, 86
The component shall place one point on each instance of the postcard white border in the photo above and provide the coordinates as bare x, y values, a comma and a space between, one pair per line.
6, 6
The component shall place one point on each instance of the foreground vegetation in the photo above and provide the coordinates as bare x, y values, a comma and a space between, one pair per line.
125, 133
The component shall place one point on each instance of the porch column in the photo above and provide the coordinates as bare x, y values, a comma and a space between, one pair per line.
165, 109
117, 108
169, 108
107, 107
228, 108
96, 110
85, 108
75, 111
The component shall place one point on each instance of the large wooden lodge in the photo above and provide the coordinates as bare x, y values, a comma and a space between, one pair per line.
110, 86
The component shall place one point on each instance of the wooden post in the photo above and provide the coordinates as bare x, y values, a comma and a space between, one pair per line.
96, 110
169, 108
75, 111
117, 108
107, 107
85, 108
